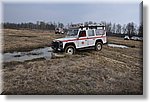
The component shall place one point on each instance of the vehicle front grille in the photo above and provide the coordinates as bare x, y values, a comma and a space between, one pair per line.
55, 45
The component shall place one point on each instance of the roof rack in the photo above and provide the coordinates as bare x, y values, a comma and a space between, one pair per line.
86, 26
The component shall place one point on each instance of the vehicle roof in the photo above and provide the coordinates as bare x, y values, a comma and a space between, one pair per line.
86, 26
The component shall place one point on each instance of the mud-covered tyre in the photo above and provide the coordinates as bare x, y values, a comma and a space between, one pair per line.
70, 50
55, 51
98, 46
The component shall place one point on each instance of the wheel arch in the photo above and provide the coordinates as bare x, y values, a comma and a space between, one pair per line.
99, 40
70, 43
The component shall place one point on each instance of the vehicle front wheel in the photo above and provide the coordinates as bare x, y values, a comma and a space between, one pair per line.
98, 46
70, 50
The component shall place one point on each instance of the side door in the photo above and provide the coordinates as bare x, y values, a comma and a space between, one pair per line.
91, 37
82, 39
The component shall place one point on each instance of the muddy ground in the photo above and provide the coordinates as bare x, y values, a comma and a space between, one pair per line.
110, 71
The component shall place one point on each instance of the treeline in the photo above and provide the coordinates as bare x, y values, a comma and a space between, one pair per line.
112, 29
39, 25
130, 29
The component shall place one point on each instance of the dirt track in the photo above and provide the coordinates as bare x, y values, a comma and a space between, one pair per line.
111, 71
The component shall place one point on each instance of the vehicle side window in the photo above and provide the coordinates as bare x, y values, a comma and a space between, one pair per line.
99, 31
90, 32
82, 34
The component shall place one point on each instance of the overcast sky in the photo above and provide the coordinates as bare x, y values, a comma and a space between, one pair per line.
71, 12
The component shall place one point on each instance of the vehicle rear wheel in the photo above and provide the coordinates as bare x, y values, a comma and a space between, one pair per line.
98, 46
70, 50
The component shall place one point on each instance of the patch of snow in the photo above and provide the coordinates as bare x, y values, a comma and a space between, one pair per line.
119, 46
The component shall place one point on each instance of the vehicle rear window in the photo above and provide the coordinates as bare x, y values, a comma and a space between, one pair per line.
90, 32
99, 31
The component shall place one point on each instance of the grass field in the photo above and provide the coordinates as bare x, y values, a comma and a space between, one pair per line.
25, 40
111, 71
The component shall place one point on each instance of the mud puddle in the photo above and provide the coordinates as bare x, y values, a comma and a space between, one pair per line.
24, 56
39, 53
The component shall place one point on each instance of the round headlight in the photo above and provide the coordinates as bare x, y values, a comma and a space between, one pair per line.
60, 42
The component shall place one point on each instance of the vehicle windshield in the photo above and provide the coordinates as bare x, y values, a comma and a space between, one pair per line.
72, 32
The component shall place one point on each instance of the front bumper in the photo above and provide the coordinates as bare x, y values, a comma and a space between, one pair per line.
57, 46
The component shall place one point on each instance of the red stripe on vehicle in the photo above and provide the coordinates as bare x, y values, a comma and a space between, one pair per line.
84, 38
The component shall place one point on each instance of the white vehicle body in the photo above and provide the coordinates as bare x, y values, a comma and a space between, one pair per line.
126, 38
84, 37
59, 31
136, 38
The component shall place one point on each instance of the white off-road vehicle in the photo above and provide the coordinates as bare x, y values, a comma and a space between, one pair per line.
59, 31
81, 37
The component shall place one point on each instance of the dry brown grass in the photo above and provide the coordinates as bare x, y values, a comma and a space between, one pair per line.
130, 43
111, 71
24, 40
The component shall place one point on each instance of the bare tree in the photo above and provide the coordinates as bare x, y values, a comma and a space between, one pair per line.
108, 27
118, 29
113, 28
85, 23
60, 25
140, 33
124, 30
103, 22
131, 29
90, 22
136, 29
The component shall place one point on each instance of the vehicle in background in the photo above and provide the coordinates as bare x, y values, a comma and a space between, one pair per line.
136, 38
126, 38
59, 31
